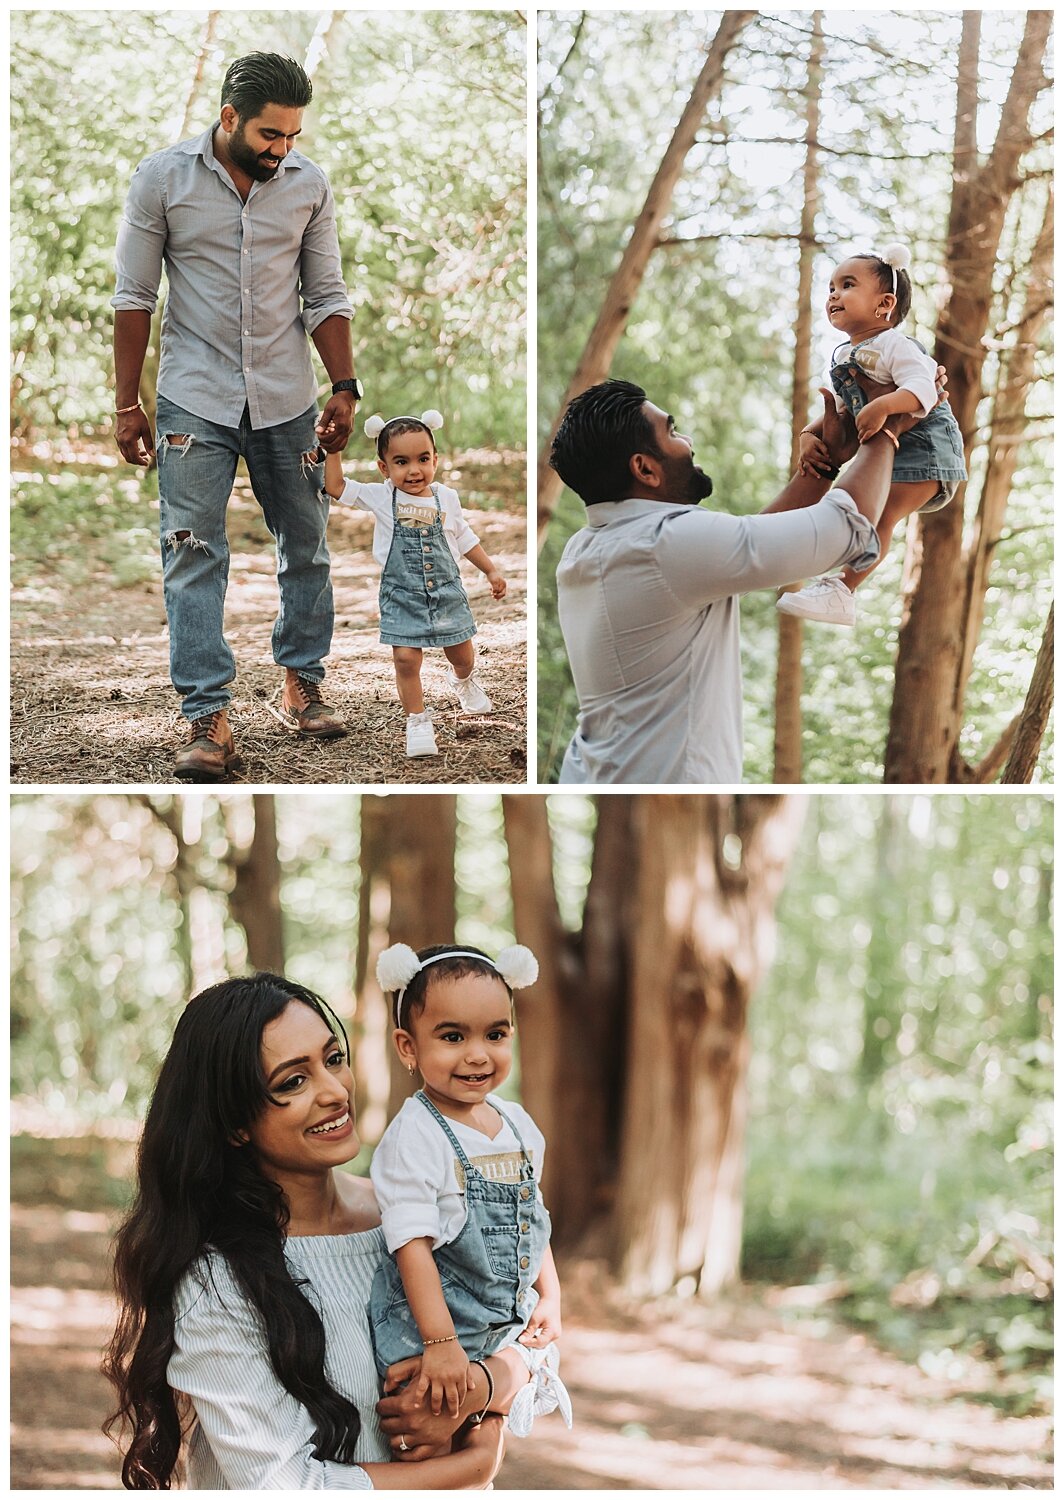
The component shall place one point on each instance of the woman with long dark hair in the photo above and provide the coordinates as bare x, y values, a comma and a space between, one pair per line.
243, 1271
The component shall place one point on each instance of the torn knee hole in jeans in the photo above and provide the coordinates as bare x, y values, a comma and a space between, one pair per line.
182, 441
311, 460
176, 539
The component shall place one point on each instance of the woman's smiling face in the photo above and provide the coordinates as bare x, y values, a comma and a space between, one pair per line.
308, 1124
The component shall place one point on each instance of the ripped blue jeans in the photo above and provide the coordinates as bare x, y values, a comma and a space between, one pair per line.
197, 465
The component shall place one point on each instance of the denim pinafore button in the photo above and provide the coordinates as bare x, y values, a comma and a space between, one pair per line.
486, 1272
422, 601
932, 449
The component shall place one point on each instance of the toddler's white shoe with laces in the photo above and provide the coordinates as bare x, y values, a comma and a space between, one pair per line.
472, 699
420, 735
827, 600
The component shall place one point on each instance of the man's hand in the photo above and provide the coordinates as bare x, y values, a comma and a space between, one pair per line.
838, 433
134, 438
336, 421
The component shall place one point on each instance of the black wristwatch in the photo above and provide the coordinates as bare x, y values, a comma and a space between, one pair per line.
354, 386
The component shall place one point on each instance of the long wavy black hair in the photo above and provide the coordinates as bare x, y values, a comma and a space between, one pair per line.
200, 1188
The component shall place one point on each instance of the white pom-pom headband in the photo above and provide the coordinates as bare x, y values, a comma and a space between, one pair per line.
397, 966
375, 425
898, 258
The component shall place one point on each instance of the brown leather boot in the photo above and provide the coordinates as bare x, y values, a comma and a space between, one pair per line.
302, 707
210, 750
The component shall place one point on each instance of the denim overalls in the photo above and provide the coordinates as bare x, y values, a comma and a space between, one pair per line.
486, 1273
933, 449
422, 601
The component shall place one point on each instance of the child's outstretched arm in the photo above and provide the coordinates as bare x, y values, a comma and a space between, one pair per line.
480, 559
445, 1368
334, 475
545, 1324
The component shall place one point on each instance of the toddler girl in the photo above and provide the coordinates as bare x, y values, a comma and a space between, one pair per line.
456, 1174
868, 298
419, 533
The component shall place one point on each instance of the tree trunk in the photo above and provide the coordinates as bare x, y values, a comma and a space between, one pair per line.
706, 873
255, 899
410, 853
925, 717
594, 364
1027, 740
1006, 434
788, 715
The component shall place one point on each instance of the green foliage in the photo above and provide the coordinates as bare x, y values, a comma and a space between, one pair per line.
711, 332
419, 120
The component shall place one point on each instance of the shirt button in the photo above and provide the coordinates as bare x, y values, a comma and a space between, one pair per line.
247, 369
247, 330
524, 1262
246, 252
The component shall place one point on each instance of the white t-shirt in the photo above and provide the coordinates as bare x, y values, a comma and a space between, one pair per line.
891, 358
413, 510
419, 1180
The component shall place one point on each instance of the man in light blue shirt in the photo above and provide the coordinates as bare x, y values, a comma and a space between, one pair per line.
246, 229
648, 591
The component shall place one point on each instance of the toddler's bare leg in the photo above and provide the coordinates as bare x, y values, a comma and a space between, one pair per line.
902, 500
461, 657
407, 660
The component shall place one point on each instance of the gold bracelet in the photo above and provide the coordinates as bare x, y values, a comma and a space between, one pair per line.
451, 1338
120, 411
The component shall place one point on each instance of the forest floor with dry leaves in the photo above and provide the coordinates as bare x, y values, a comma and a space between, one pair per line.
91, 700
668, 1395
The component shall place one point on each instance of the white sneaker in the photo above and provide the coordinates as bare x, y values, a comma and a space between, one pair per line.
420, 735
472, 698
828, 599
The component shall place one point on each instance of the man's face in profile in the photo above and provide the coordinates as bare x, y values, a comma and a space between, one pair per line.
684, 482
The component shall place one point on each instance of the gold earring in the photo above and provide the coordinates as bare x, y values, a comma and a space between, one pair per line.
410, 1069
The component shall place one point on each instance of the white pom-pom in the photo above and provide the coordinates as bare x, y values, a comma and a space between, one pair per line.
373, 425
518, 966
898, 257
432, 418
397, 966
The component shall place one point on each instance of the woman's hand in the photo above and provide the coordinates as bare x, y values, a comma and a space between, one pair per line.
414, 1431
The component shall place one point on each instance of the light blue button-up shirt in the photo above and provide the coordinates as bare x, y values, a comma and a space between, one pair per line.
648, 600
234, 332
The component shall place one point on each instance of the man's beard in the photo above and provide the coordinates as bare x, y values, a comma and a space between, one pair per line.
242, 156
687, 483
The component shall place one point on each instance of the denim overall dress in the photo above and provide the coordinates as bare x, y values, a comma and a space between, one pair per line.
932, 449
422, 601
486, 1272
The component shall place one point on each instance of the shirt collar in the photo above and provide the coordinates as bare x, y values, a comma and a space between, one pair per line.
607, 511
203, 145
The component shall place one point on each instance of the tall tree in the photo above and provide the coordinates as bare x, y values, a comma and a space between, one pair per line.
255, 896
788, 715
594, 363
927, 708
676, 931
408, 891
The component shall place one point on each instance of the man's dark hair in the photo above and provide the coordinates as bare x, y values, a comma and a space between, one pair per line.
885, 275
263, 78
601, 429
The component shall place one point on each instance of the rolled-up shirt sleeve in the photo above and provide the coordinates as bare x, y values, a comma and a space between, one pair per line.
141, 240
408, 1176
455, 521
911, 370
709, 556
260, 1435
321, 279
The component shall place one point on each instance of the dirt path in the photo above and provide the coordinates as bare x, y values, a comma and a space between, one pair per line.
669, 1397
91, 700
